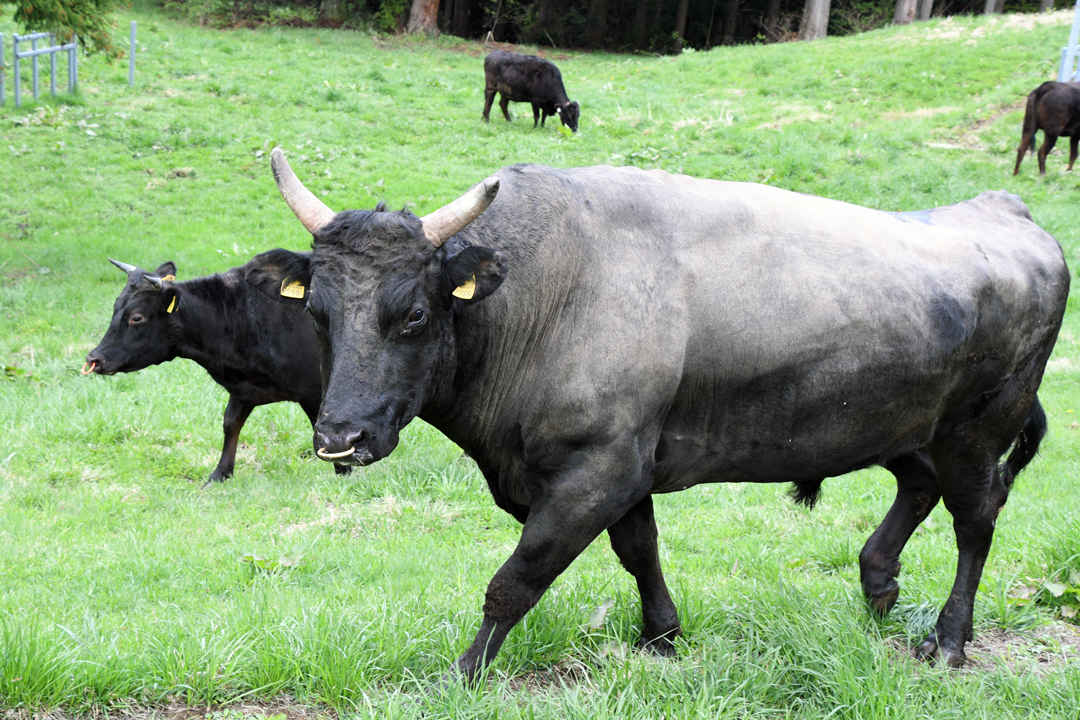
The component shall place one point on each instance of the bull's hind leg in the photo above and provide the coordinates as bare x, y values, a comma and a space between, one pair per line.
504, 105
489, 97
974, 493
1074, 141
917, 493
1025, 143
633, 538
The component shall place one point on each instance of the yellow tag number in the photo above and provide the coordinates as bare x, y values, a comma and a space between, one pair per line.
292, 289
466, 290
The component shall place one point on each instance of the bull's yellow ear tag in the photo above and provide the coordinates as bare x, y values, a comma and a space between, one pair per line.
292, 289
169, 278
172, 305
466, 290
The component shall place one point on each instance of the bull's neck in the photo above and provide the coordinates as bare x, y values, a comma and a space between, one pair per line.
204, 329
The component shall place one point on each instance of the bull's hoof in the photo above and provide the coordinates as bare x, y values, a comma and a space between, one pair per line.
661, 646
881, 603
932, 652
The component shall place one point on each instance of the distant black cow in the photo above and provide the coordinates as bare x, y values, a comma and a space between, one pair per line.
527, 78
259, 350
1054, 108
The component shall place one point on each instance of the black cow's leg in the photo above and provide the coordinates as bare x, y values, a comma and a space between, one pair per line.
917, 493
1025, 143
489, 97
1049, 140
1074, 141
236, 414
974, 493
504, 104
575, 508
633, 538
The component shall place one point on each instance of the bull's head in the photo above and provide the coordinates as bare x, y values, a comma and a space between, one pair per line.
139, 333
569, 114
383, 288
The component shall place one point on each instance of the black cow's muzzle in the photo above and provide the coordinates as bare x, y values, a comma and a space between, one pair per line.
95, 363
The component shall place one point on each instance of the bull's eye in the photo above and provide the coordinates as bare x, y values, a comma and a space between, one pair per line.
417, 320
417, 316
136, 319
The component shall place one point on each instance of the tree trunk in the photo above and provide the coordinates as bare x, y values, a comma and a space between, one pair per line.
424, 17
905, 12
926, 8
638, 35
545, 19
1046, 5
993, 7
332, 10
815, 20
680, 24
772, 20
596, 24
460, 24
731, 19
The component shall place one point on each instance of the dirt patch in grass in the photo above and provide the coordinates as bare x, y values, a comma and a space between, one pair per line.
283, 708
1037, 650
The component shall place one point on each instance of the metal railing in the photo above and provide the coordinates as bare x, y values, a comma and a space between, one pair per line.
1070, 54
71, 48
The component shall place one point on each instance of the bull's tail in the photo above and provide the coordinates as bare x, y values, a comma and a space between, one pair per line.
1027, 444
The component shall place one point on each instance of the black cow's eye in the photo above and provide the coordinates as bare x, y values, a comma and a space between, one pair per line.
416, 317
136, 319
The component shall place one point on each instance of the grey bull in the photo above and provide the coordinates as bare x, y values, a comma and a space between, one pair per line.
599, 335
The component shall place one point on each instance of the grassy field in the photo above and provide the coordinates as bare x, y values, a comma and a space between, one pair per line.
124, 587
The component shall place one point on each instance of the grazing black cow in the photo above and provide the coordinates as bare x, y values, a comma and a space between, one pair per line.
527, 78
1054, 108
260, 351
602, 334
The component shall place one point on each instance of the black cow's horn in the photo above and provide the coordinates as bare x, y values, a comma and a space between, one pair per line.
123, 266
154, 280
310, 210
450, 219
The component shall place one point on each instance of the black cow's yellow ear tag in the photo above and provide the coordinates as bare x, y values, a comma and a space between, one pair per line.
466, 290
169, 278
172, 305
292, 289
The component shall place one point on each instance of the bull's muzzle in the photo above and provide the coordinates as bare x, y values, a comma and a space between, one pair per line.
344, 448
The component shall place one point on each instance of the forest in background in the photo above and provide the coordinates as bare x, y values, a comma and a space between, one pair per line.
655, 26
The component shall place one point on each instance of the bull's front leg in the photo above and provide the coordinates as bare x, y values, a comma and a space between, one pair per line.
489, 97
575, 505
633, 538
236, 414
536, 115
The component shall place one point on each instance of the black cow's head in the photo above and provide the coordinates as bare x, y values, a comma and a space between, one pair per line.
138, 335
382, 288
569, 114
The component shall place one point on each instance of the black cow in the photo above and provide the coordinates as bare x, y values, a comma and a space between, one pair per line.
1054, 108
527, 78
260, 351
603, 334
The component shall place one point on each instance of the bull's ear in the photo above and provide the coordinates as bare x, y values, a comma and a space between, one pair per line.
166, 270
281, 274
170, 297
475, 272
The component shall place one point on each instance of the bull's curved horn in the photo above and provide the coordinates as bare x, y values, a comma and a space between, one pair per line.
449, 220
154, 280
310, 210
123, 266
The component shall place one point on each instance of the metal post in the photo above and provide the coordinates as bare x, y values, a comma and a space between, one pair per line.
1067, 69
1, 69
74, 84
131, 59
34, 45
15, 64
52, 67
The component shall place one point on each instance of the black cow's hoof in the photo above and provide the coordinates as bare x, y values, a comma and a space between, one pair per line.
934, 653
883, 601
214, 479
661, 646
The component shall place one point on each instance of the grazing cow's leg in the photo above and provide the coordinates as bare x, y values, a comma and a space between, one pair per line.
1049, 139
575, 507
536, 115
489, 97
974, 493
1025, 143
917, 493
633, 538
1074, 141
504, 103
236, 414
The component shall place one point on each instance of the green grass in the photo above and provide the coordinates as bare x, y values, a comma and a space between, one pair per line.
121, 583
